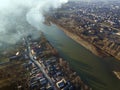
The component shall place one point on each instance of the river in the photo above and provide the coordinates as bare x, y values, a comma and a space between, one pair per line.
92, 69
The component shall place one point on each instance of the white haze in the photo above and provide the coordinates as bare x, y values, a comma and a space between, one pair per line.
17, 15
93, 0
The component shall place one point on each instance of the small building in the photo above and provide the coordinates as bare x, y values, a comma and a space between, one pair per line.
60, 84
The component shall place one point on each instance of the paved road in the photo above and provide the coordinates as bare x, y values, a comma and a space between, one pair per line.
39, 65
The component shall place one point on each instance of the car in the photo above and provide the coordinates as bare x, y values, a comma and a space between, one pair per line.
32, 83
66, 87
34, 86
38, 78
35, 71
71, 88
52, 73
33, 80
42, 88
43, 81
54, 60
34, 68
68, 83
48, 62
59, 73
34, 57
32, 73
50, 88
39, 75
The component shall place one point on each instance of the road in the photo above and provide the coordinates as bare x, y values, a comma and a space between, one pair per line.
38, 64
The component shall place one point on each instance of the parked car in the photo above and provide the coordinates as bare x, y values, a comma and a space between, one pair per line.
43, 81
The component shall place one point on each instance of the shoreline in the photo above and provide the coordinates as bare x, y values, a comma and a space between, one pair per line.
103, 51
62, 64
88, 46
117, 74
93, 49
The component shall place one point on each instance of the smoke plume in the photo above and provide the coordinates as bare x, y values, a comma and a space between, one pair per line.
20, 17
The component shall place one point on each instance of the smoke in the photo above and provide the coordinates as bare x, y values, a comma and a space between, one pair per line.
40, 9
21, 17
94, 0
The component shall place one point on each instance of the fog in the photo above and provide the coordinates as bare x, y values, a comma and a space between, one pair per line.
20, 17
94, 0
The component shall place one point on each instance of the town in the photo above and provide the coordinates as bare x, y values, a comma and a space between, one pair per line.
94, 25
97, 23
43, 68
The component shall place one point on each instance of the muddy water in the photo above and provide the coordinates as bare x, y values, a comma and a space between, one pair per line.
92, 69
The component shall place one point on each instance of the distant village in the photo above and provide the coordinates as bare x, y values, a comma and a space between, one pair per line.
97, 23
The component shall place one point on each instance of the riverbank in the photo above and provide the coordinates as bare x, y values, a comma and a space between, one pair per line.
79, 26
52, 65
117, 74
82, 42
92, 69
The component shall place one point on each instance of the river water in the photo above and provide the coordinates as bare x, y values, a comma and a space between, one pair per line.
92, 69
